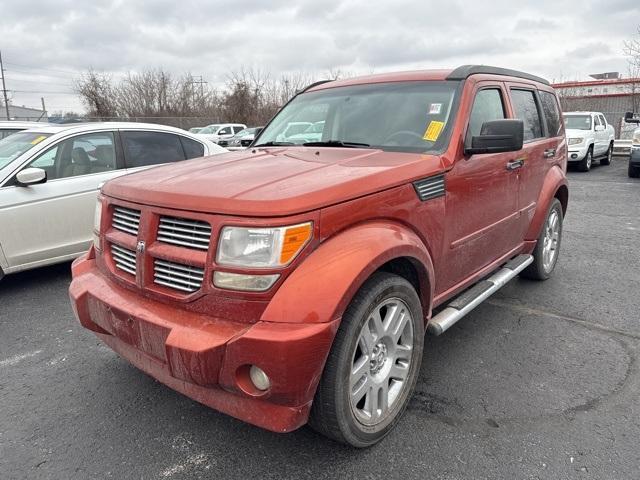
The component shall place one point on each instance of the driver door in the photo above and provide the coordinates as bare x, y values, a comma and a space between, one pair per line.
53, 221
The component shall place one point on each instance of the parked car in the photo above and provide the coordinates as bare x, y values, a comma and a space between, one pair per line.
634, 154
295, 283
49, 178
217, 132
590, 137
313, 133
240, 140
11, 127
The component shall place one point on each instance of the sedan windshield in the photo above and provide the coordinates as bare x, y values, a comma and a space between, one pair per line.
578, 122
209, 130
15, 145
411, 116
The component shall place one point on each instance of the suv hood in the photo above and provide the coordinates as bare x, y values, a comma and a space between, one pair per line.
272, 181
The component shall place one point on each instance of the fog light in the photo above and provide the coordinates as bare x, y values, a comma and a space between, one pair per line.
575, 155
259, 378
240, 281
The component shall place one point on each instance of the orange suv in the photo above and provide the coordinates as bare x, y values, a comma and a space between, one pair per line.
294, 281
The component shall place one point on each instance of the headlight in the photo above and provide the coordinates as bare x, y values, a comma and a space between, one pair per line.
262, 247
636, 138
97, 219
575, 141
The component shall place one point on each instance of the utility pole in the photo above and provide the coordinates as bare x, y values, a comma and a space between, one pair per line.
201, 82
4, 87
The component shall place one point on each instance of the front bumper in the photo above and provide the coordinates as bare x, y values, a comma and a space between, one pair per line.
206, 358
577, 153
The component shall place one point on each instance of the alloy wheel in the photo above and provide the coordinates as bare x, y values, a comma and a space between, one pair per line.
551, 239
381, 361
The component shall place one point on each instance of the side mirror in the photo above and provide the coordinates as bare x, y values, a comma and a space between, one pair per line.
31, 176
497, 136
628, 117
599, 128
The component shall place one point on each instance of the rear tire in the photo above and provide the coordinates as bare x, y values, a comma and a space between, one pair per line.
606, 160
587, 161
373, 364
634, 172
545, 255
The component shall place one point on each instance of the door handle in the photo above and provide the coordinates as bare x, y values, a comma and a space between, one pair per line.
515, 164
550, 153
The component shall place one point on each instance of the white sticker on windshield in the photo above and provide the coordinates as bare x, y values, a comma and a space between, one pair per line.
435, 109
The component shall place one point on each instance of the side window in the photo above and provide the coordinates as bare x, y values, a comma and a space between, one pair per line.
597, 120
551, 112
224, 131
488, 105
192, 149
80, 155
142, 149
525, 108
237, 129
602, 120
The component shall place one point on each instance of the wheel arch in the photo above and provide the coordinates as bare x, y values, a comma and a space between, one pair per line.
554, 186
321, 288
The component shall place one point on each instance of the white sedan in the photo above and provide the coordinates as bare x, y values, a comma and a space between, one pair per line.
50, 176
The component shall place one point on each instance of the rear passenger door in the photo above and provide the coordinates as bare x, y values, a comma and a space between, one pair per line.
540, 147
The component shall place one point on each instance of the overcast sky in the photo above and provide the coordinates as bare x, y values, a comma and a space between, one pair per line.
45, 44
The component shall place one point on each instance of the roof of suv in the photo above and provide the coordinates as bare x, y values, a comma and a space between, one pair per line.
460, 73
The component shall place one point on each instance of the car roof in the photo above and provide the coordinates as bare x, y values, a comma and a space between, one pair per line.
461, 73
20, 125
91, 126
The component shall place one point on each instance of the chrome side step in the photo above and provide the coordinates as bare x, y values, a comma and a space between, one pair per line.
477, 294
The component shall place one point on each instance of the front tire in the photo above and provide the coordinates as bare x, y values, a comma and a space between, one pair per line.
587, 161
373, 365
607, 159
545, 255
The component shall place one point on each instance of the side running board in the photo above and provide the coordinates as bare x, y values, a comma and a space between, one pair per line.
477, 294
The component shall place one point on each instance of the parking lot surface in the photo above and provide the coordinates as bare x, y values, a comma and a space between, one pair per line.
542, 381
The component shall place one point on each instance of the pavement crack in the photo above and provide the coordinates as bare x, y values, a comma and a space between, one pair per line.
579, 321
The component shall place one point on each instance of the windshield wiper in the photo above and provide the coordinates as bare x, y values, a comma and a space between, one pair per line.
336, 143
274, 144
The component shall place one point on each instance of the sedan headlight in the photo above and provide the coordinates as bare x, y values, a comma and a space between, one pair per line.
262, 247
97, 220
575, 141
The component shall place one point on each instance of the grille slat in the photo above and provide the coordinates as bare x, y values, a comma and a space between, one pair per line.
124, 259
186, 233
126, 220
177, 276
429, 188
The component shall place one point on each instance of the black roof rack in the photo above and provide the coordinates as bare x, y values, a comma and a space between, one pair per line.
465, 71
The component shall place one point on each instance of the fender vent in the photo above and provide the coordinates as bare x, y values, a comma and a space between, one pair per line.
429, 188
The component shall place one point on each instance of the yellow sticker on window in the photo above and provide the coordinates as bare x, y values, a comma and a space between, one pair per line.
37, 140
433, 131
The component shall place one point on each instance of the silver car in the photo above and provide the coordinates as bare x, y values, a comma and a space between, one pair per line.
49, 178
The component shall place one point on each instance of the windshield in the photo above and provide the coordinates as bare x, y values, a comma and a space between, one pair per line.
210, 130
15, 145
578, 122
401, 116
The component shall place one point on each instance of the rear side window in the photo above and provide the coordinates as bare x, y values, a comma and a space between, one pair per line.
487, 106
142, 149
237, 129
602, 120
551, 112
525, 108
192, 149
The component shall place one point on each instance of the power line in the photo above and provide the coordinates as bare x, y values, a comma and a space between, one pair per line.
41, 68
42, 91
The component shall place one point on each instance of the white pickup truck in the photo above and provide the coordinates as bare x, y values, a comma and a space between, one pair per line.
589, 136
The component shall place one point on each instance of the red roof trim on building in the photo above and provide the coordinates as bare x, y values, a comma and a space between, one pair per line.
605, 95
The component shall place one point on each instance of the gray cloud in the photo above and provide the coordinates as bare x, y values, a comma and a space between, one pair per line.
568, 39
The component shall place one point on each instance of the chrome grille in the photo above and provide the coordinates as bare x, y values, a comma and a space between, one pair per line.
126, 220
184, 232
124, 259
179, 277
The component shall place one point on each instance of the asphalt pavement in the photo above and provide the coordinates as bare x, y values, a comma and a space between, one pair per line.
542, 381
